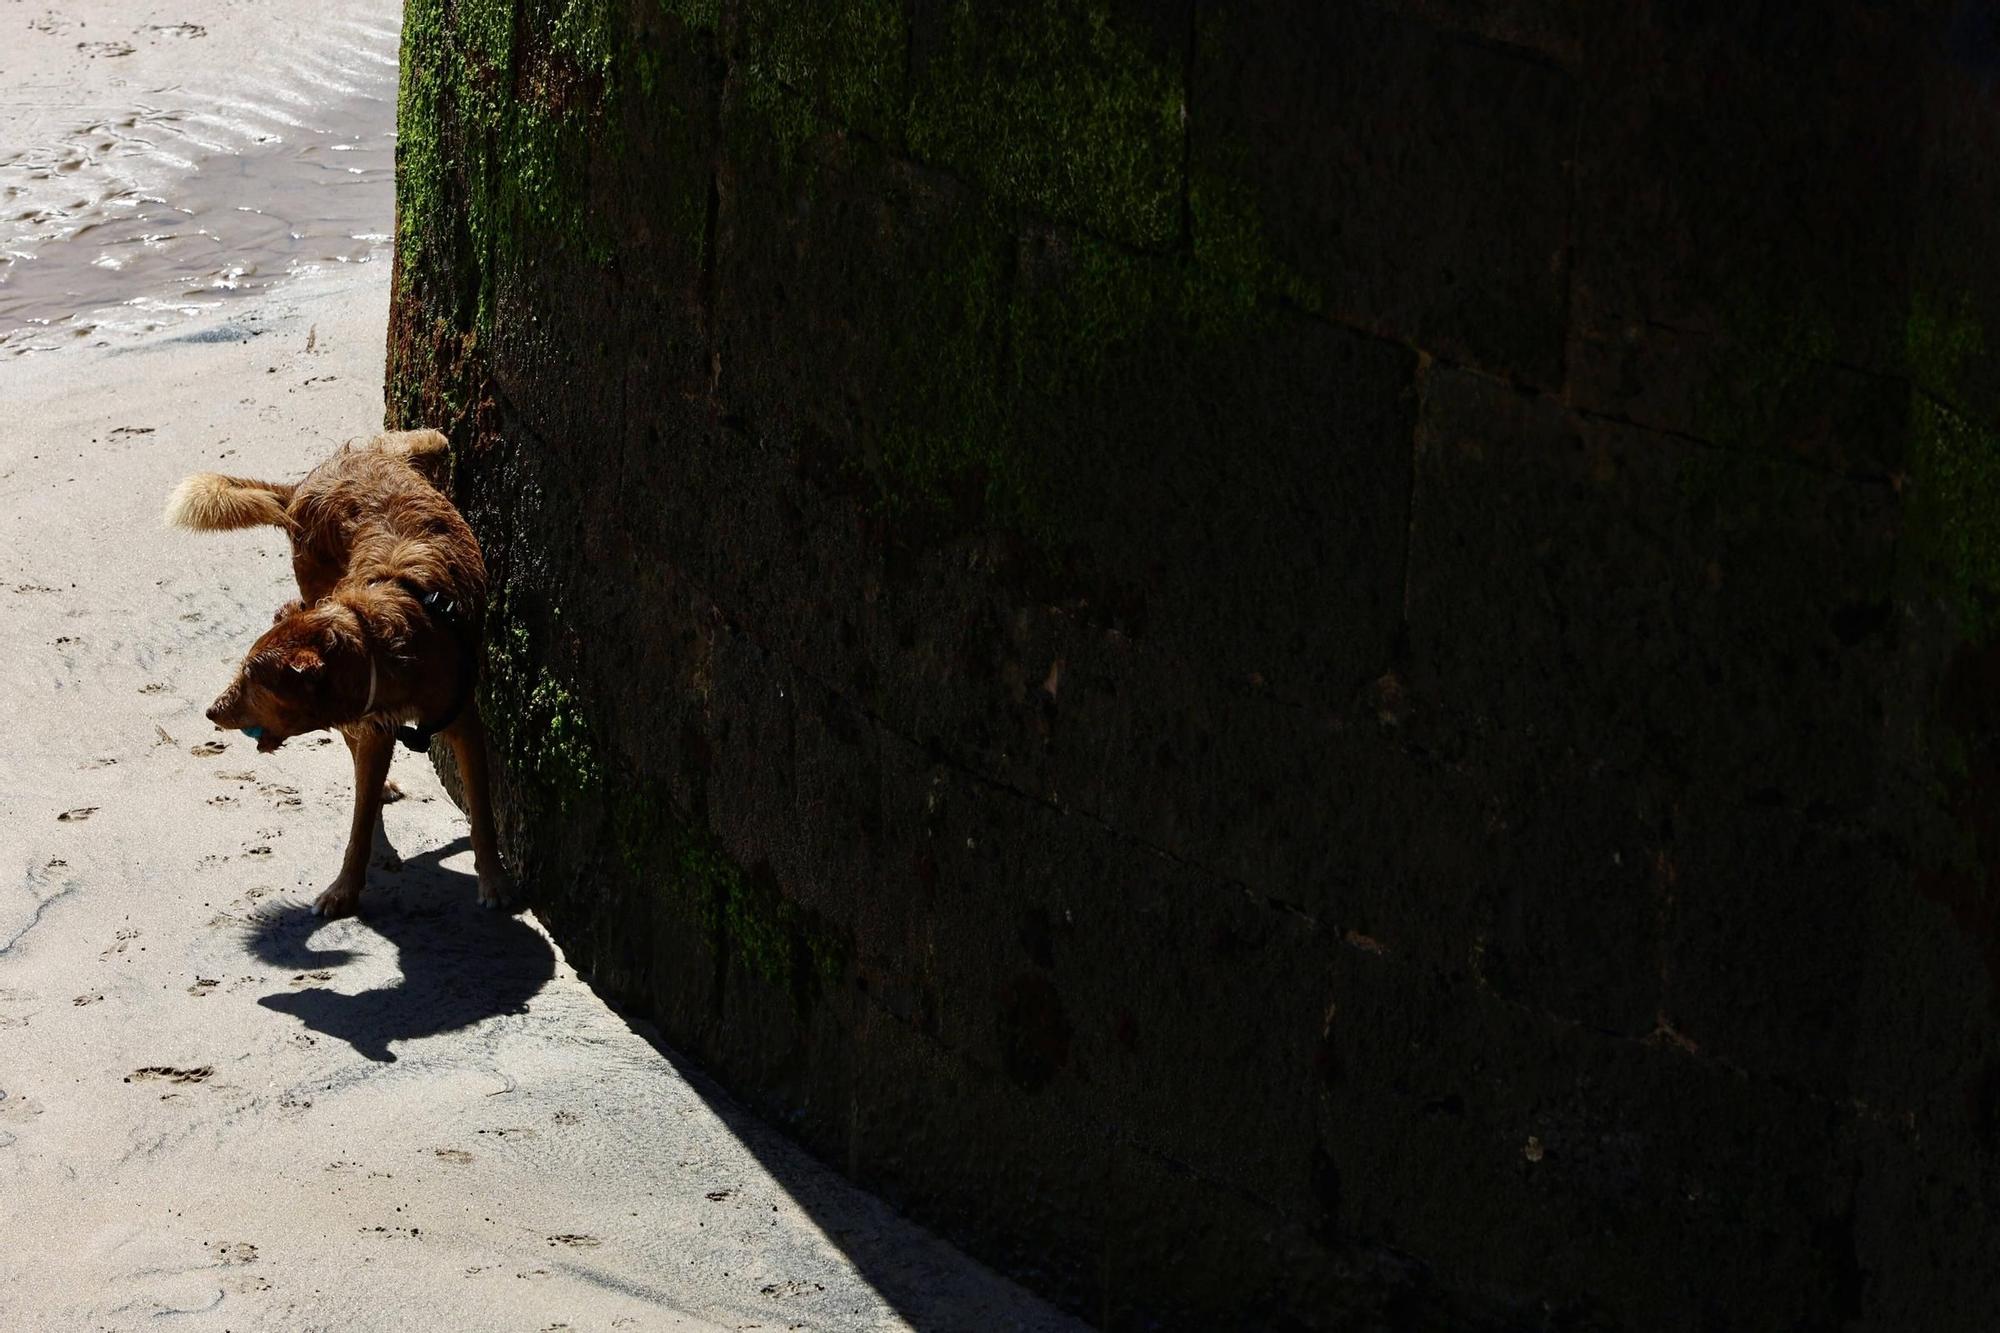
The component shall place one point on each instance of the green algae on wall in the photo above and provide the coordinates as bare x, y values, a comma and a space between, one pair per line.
1229, 240
751, 921
1053, 107
1953, 515
500, 103
534, 711
844, 59
422, 199
944, 461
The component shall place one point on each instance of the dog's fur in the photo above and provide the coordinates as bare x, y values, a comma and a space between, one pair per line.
358, 652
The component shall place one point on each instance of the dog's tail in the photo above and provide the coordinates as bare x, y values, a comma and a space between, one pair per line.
208, 500
428, 451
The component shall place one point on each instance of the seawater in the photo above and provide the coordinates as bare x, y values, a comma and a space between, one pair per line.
189, 197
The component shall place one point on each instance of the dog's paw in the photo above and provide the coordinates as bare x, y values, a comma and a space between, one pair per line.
496, 889
340, 899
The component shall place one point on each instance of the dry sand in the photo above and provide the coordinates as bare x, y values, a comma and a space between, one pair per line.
215, 1108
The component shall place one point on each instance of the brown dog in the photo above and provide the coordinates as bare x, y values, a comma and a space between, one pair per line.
384, 639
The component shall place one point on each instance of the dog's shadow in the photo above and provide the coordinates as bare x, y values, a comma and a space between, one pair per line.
461, 963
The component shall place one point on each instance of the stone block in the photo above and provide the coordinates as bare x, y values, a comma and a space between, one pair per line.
1389, 175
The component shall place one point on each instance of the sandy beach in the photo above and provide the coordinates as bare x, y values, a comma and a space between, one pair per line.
213, 1106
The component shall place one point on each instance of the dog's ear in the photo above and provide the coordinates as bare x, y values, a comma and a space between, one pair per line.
306, 661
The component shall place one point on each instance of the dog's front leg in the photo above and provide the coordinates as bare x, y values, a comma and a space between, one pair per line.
468, 747
372, 749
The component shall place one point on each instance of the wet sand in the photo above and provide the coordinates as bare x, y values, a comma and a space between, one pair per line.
162, 161
215, 1108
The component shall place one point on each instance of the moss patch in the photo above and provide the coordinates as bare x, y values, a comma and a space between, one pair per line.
844, 59
1053, 107
762, 932
943, 459
1953, 510
501, 104
1229, 241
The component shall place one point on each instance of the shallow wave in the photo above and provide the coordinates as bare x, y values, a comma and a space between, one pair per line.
195, 195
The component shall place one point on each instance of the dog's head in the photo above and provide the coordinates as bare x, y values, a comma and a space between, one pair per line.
307, 672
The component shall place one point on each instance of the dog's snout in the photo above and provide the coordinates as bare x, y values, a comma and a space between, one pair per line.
223, 709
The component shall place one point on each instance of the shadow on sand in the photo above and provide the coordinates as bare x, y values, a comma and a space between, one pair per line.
461, 963
932, 1286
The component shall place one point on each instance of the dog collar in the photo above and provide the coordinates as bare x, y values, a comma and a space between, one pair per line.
446, 613
254, 733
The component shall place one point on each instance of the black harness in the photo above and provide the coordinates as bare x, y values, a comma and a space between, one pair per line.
450, 617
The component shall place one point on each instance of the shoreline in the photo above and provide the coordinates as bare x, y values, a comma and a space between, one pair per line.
163, 159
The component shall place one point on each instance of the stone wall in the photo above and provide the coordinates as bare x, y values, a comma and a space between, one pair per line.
1307, 665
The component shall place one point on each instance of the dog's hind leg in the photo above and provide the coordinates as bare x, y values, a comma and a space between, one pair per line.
372, 749
468, 747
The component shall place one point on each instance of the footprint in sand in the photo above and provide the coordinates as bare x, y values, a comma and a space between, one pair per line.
233, 1251
122, 940
208, 749
78, 815
576, 1242
171, 1074
202, 986
457, 1156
